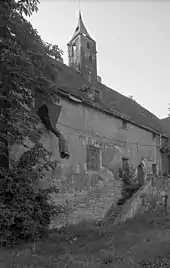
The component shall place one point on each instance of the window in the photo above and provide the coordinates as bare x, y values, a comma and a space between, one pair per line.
78, 66
74, 50
90, 58
124, 124
168, 164
153, 136
154, 169
89, 76
77, 28
93, 158
125, 163
88, 45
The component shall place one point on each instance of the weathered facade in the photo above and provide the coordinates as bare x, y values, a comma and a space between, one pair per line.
105, 131
165, 123
99, 145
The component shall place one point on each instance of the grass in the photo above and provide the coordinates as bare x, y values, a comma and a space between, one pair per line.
141, 242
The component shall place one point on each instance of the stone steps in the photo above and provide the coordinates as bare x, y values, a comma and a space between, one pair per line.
113, 213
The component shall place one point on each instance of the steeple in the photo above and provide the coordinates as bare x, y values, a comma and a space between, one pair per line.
81, 29
82, 52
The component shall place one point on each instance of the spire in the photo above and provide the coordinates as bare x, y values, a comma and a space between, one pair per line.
79, 6
80, 29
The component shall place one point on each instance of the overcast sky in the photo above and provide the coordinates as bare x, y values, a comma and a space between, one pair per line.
133, 43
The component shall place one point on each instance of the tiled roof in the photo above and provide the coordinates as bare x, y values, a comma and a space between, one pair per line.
70, 82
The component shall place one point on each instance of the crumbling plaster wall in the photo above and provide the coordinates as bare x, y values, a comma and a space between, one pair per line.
89, 194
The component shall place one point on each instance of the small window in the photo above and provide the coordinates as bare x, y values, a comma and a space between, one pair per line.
88, 45
93, 158
90, 58
124, 124
78, 66
153, 136
89, 76
154, 169
74, 49
125, 163
77, 28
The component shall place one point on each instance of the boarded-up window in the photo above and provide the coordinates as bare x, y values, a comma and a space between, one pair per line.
125, 163
93, 158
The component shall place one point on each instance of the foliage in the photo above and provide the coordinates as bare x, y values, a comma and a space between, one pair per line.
129, 183
27, 68
24, 207
127, 175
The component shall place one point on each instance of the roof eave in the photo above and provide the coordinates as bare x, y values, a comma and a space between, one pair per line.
81, 100
80, 34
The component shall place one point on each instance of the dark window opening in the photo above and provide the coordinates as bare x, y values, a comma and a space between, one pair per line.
168, 164
90, 58
88, 45
154, 169
125, 163
93, 158
124, 124
89, 76
78, 66
77, 28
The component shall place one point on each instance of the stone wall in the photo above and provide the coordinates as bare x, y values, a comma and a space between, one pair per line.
148, 197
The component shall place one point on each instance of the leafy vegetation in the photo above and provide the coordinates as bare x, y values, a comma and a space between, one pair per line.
26, 71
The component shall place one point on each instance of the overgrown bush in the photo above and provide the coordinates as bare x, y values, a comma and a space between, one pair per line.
27, 69
25, 211
129, 186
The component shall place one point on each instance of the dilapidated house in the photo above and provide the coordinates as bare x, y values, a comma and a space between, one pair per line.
105, 131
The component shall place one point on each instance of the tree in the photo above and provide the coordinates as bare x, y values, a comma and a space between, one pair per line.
25, 66
26, 69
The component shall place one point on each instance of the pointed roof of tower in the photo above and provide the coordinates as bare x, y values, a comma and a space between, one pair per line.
80, 29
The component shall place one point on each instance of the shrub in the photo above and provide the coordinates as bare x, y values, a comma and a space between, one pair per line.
25, 211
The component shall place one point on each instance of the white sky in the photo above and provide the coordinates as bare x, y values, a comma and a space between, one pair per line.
133, 43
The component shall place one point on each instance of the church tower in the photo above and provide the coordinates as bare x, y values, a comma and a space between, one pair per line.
82, 52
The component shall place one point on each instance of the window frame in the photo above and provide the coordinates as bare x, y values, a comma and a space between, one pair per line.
125, 163
98, 158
